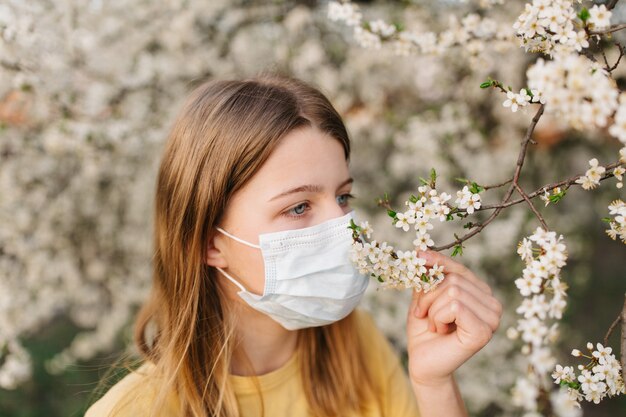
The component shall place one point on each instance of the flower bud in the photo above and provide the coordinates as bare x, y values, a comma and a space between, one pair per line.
512, 333
575, 352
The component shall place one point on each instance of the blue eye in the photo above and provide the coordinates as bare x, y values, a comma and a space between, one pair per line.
345, 199
299, 211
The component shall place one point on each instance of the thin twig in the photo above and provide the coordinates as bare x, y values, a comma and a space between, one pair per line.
608, 30
489, 187
565, 183
619, 58
518, 169
623, 342
532, 207
613, 326
611, 4
606, 61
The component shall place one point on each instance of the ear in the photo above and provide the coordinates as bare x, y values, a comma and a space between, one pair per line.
213, 256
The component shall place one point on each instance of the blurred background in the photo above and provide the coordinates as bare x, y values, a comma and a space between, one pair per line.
88, 90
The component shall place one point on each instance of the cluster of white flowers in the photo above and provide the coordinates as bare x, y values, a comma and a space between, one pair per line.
601, 377
344, 12
470, 32
466, 199
404, 269
395, 268
618, 128
576, 90
617, 226
521, 99
548, 25
592, 176
540, 277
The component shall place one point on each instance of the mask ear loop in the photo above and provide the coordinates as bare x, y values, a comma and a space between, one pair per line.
238, 239
231, 279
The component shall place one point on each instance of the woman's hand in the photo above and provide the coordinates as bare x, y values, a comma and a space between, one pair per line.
454, 321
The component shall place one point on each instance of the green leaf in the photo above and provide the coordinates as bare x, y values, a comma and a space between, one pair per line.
475, 188
433, 175
449, 217
413, 199
530, 93
423, 181
391, 213
399, 26
607, 219
555, 198
458, 250
486, 84
468, 225
584, 14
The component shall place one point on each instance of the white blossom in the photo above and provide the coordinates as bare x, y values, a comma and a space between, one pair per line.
592, 176
599, 17
576, 90
600, 378
514, 100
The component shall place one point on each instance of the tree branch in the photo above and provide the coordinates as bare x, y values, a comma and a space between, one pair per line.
608, 30
564, 183
518, 169
613, 326
488, 187
623, 342
532, 207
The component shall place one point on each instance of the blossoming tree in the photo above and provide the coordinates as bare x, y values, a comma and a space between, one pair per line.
85, 89
572, 85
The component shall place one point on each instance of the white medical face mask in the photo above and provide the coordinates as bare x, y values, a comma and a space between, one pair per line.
309, 277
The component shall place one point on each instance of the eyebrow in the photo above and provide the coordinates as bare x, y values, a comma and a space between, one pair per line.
312, 188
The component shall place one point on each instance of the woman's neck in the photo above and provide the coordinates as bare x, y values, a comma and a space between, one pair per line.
266, 343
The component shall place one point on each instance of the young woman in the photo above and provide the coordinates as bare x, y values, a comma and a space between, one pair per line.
253, 306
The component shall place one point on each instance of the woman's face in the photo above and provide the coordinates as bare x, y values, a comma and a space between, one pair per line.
305, 181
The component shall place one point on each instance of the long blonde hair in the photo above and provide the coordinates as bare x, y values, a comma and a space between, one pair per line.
222, 136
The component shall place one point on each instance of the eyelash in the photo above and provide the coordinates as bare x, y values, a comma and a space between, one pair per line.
287, 213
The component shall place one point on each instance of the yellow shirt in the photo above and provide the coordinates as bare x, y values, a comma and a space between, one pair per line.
281, 389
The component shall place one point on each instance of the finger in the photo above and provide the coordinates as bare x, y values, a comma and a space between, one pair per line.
471, 332
450, 265
485, 314
415, 298
453, 280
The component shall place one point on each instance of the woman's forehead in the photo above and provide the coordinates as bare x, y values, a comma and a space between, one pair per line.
304, 157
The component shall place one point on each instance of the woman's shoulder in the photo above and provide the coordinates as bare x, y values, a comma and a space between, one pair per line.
131, 395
